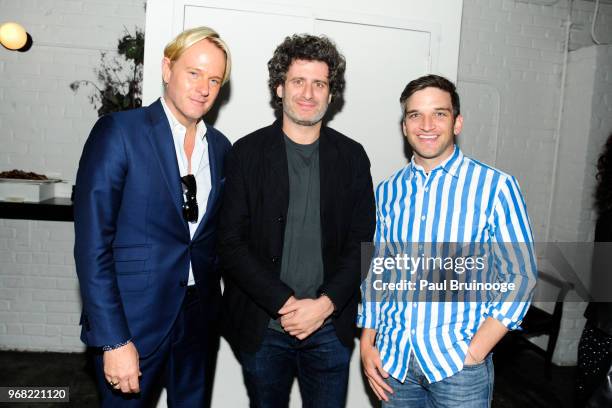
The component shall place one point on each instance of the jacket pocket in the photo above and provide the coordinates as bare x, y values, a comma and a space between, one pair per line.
131, 259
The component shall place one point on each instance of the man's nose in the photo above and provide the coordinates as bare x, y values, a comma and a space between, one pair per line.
307, 91
203, 86
427, 123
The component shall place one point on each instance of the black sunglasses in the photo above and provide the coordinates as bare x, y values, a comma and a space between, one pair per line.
190, 206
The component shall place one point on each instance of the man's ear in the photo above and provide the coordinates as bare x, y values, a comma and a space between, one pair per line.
458, 125
166, 69
280, 91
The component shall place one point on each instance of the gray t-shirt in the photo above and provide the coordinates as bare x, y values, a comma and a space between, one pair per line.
302, 262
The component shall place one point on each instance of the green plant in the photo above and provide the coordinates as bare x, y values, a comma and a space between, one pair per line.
120, 81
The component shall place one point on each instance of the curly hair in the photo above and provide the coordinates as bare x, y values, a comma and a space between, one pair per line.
310, 48
603, 193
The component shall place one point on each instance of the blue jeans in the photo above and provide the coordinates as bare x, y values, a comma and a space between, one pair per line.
320, 362
472, 387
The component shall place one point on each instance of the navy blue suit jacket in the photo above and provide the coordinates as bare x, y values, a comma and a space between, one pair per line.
132, 245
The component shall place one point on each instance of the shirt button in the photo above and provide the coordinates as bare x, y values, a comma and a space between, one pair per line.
414, 305
426, 189
422, 218
413, 331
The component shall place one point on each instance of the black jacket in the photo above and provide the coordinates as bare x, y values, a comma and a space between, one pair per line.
600, 313
252, 226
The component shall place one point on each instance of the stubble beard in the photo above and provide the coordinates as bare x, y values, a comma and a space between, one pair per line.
303, 122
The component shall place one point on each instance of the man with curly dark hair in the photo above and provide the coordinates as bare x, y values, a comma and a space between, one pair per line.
298, 202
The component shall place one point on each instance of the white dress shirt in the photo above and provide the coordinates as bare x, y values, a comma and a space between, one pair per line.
200, 167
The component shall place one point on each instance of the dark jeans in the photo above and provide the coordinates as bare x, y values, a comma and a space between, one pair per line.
320, 362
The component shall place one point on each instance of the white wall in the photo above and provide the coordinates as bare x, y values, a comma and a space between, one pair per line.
509, 76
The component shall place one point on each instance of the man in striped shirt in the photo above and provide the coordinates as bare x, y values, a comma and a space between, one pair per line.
420, 350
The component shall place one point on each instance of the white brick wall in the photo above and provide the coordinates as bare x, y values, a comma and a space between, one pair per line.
44, 125
39, 297
509, 80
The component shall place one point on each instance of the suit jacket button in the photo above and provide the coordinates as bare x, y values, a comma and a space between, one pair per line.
274, 259
182, 283
280, 219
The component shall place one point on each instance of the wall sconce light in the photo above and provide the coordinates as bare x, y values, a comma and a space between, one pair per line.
13, 36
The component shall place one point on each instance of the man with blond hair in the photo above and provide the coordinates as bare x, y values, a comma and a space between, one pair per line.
147, 193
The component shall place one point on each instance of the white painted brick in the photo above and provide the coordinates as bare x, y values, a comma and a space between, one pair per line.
58, 318
27, 306
63, 307
34, 329
4, 305
518, 40
53, 330
535, 31
9, 317
8, 294
547, 44
61, 271
73, 296
520, 18
75, 318
11, 282
32, 318
23, 258
72, 343
6, 257
526, 52
51, 343
47, 295
39, 282
14, 342
14, 328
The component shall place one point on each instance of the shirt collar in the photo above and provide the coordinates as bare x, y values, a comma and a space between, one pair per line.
176, 126
451, 165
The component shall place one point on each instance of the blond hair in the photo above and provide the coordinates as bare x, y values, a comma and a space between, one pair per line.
187, 38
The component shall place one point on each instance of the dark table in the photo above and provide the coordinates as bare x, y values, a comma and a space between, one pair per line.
53, 209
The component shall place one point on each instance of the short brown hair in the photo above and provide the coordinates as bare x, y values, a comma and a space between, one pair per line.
431, 81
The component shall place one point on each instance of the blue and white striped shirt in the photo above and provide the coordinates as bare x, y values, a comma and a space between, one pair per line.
459, 201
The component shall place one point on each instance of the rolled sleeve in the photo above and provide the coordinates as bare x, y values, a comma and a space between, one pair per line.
513, 254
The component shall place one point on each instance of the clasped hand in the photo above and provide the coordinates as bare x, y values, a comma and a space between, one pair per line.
300, 318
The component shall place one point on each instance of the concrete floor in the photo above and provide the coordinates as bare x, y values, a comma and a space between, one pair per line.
519, 378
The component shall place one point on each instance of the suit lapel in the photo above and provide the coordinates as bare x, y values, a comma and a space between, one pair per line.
276, 155
213, 160
163, 146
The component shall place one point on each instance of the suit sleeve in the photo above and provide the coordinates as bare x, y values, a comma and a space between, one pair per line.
344, 284
238, 261
98, 192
